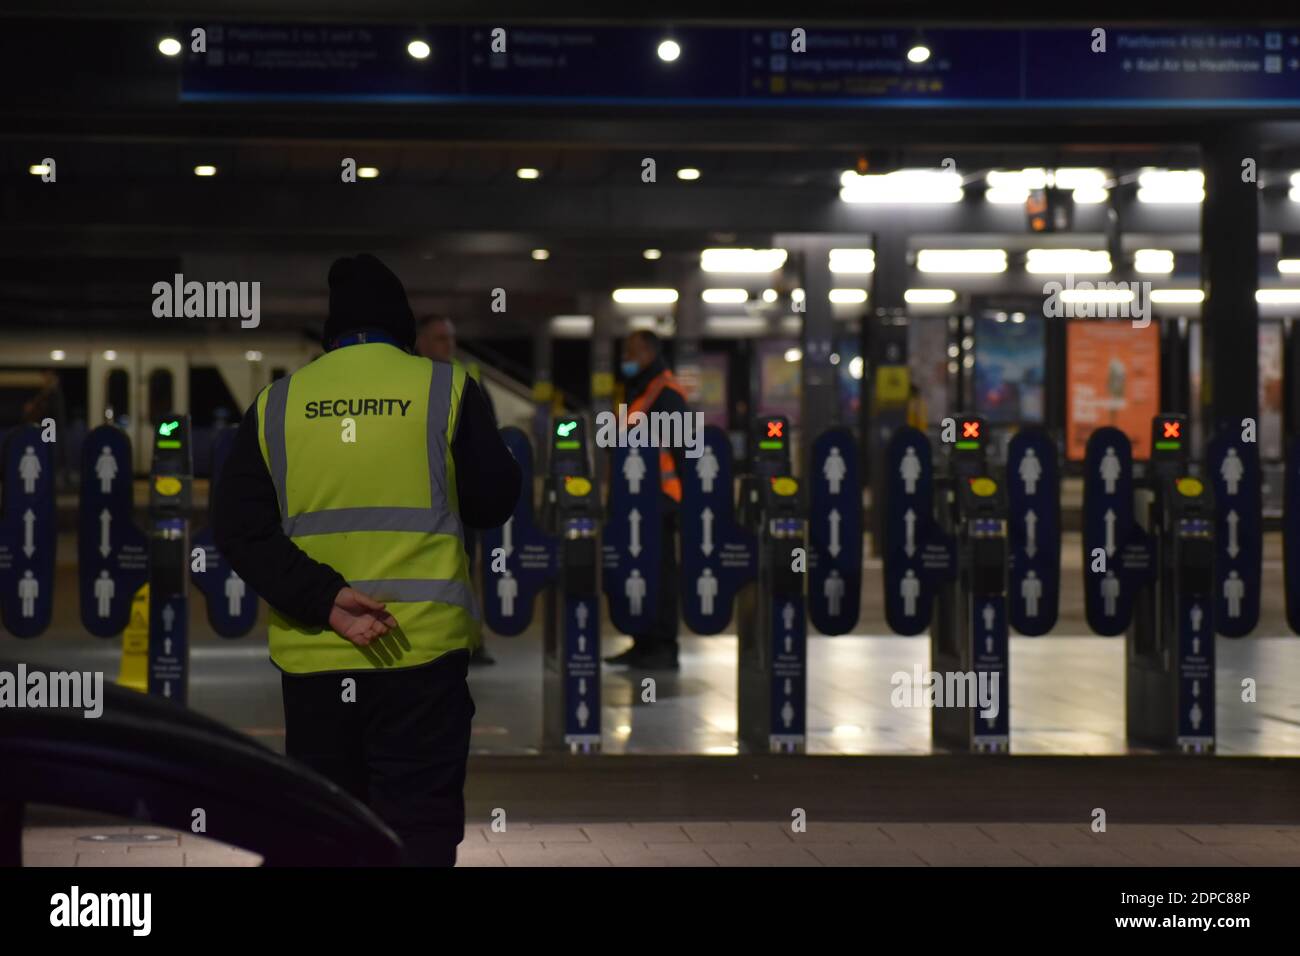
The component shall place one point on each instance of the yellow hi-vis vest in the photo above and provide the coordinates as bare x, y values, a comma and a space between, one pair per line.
380, 510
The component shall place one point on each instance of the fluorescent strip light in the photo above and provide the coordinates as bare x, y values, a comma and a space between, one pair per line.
929, 296
1278, 296
724, 296
857, 262
527, 172
645, 296
737, 261
1177, 296
1079, 177
1293, 194
572, 324
793, 355
920, 186
1063, 261
205, 170
1288, 267
1006, 195
1078, 296
735, 324
848, 296
1154, 261
647, 322
1016, 178
1170, 186
1090, 196
688, 174
962, 260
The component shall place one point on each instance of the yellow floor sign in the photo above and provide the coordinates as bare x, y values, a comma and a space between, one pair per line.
135, 645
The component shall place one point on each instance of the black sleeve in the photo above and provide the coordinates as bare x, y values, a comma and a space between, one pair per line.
246, 526
487, 476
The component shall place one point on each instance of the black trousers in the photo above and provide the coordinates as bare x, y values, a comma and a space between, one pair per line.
663, 632
401, 748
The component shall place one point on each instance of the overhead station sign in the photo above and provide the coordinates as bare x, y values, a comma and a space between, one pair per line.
1224, 66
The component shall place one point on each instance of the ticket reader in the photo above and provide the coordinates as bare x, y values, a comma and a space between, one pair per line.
771, 617
170, 481
571, 513
969, 645
1170, 640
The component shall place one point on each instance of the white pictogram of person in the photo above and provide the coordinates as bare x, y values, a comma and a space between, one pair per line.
1234, 590
234, 594
909, 589
1232, 470
706, 589
635, 591
1110, 593
507, 591
910, 470
633, 470
1031, 469
29, 469
29, 589
707, 469
1196, 615
106, 470
1031, 589
833, 590
1110, 469
835, 469
105, 590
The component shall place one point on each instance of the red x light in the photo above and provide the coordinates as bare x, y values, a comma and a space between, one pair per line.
1173, 429
774, 429
970, 429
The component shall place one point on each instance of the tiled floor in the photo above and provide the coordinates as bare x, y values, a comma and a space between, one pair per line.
740, 844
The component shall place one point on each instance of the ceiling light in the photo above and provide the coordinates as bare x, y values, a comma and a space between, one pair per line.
367, 172
527, 172
205, 170
645, 296
110, 355
688, 174
853, 261
1067, 261
651, 254
574, 325
541, 254
169, 46
770, 295
1078, 296
1177, 296
962, 260
669, 50
848, 296
418, 49
735, 325
1278, 296
1154, 261
58, 355
38, 169
253, 355
724, 296
918, 54
1288, 266
929, 296
903, 186
793, 355
736, 261
1167, 186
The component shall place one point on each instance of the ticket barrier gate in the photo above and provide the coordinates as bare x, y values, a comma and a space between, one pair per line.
170, 486
969, 635
1169, 644
571, 627
771, 617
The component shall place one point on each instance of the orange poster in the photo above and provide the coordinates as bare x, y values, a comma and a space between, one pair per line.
1112, 378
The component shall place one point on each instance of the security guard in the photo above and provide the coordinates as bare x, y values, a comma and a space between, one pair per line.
344, 503
651, 387
435, 338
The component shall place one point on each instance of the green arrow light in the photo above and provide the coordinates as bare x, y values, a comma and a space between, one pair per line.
565, 429
166, 428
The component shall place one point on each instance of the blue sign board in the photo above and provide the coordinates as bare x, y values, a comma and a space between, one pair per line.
917, 553
1291, 533
1195, 672
718, 556
529, 555
789, 690
1108, 525
28, 534
231, 603
631, 540
581, 669
169, 633
1190, 67
1233, 467
834, 533
1034, 530
112, 553
990, 636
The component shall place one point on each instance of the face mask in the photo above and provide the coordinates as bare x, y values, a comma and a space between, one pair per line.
630, 369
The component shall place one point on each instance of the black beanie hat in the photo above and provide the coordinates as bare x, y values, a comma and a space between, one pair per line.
366, 294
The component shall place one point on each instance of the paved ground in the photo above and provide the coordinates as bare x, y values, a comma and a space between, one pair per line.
721, 843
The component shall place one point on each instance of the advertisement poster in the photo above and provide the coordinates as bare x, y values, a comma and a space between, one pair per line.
1270, 388
778, 380
1009, 367
706, 391
927, 354
1113, 378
